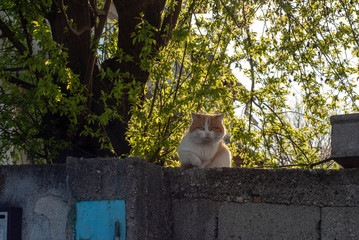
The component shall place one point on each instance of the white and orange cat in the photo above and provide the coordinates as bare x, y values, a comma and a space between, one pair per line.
202, 145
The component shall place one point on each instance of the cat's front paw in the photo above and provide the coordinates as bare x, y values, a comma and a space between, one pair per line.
189, 159
195, 161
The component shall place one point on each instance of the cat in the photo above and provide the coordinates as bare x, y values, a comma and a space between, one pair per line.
202, 145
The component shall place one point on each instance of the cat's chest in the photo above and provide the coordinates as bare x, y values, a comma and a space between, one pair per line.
206, 152
203, 151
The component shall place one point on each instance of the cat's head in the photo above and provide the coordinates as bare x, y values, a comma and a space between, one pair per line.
207, 128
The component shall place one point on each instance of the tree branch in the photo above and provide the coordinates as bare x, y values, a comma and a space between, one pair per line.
92, 60
20, 82
252, 78
27, 35
15, 69
103, 18
99, 12
320, 162
287, 136
6, 32
350, 21
68, 22
170, 20
311, 165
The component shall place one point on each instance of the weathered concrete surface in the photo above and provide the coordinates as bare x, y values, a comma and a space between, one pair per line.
143, 186
212, 220
340, 223
345, 139
195, 219
172, 203
26, 186
279, 186
55, 209
252, 221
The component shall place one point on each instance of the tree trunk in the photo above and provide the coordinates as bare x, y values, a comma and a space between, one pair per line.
76, 37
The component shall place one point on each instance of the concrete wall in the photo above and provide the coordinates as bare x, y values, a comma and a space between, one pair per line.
171, 203
41, 192
265, 204
143, 187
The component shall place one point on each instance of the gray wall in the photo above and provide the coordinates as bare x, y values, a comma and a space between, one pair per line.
171, 203
42, 194
265, 204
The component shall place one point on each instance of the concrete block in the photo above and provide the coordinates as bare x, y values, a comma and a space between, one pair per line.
253, 221
345, 139
340, 223
91, 179
277, 186
140, 184
144, 188
194, 219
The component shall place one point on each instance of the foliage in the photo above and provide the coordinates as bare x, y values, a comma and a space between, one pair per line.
27, 96
301, 66
293, 52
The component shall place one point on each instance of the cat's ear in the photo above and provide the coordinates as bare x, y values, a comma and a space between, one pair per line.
220, 117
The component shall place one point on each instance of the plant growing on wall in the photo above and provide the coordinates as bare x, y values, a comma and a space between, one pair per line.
75, 83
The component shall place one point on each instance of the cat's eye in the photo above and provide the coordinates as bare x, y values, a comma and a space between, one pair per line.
201, 128
214, 129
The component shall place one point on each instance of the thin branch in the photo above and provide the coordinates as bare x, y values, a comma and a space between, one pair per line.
178, 84
350, 21
180, 74
163, 135
92, 60
239, 25
152, 107
15, 69
20, 82
245, 24
68, 22
167, 125
6, 32
212, 60
189, 13
307, 165
96, 10
253, 80
27, 35
320, 162
105, 132
329, 60
157, 87
287, 136
171, 21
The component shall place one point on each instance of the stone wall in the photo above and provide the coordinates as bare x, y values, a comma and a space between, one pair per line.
172, 203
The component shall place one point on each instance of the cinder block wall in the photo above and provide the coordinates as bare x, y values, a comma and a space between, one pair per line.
264, 204
171, 203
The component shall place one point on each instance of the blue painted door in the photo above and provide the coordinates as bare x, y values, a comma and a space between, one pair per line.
100, 220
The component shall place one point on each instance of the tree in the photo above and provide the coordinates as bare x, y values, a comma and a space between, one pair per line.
128, 87
57, 98
309, 46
